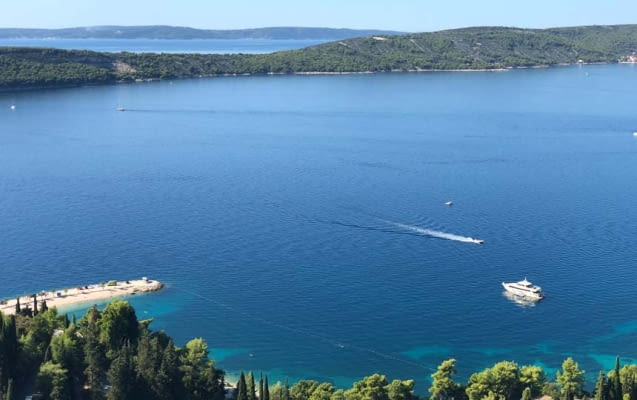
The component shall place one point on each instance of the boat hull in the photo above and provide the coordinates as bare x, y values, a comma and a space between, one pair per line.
523, 294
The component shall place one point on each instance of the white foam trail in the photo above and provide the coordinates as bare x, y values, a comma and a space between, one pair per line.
437, 234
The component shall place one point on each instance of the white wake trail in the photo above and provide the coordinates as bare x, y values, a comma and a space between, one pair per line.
437, 234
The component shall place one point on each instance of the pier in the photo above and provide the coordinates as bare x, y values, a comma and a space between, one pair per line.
82, 294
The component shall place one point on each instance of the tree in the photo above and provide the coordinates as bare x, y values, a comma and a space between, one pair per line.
10, 391
601, 387
570, 379
53, 381
250, 387
614, 382
169, 379
18, 310
261, 386
628, 377
266, 389
373, 387
197, 372
322, 392
303, 389
94, 354
122, 376
242, 393
532, 377
442, 384
526, 393
118, 325
400, 390
502, 380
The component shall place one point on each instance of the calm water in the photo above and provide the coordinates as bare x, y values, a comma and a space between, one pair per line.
224, 46
270, 205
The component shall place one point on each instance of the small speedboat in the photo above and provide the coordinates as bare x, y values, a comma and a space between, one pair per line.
449, 203
478, 241
120, 109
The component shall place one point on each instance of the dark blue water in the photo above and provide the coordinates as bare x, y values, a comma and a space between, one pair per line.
268, 205
223, 46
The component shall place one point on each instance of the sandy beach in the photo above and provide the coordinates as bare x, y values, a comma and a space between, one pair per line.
84, 294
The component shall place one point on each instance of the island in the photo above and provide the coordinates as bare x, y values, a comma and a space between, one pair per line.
467, 49
79, 295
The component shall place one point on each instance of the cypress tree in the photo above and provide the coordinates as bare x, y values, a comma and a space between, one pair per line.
35, 304
66, 321
10, 335
250, 387
616, 387
261, 386
266, 389
286, 390
601, 387
17, 305
241, 388
45, 306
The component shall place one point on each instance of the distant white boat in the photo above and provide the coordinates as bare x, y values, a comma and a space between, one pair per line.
524, 289
635, 134
120, 109
449, 203
12, 107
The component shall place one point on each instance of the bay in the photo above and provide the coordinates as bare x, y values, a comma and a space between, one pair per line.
275, 207
204, 46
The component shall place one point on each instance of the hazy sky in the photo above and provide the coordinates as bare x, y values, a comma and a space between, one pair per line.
406, 15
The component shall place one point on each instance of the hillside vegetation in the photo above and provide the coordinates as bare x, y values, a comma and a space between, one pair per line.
469, 48
180, 32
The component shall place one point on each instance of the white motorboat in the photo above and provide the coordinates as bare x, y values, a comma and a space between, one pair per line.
524, 289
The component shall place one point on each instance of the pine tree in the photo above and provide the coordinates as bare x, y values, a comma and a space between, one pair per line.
169, 377
94, 355
10, 335
261, 386
121, 375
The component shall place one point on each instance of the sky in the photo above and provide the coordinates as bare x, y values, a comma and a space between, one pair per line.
401, 15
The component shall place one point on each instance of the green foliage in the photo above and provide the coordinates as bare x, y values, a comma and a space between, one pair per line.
53, 381
533, 378
400, 390
601, 387
303, 389
470, 48
502, 381
570, 379
122, 376
526, 394
373, 387
118, 326
442, 384
628, 375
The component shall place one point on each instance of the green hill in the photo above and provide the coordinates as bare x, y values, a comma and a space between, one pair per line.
469, 48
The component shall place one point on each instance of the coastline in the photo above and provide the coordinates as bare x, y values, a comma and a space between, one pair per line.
83, 294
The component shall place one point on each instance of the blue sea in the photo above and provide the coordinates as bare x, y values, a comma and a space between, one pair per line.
292, 216
222, 46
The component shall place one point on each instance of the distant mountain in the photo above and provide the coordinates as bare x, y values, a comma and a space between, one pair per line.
177, 32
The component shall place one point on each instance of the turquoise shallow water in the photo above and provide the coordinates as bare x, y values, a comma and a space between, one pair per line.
272, 207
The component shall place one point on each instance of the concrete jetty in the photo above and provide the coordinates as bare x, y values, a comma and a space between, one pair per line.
83, 294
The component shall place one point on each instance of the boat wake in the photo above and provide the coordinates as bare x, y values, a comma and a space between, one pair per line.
436, 234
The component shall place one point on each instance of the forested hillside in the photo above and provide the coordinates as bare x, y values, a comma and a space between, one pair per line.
460, 49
